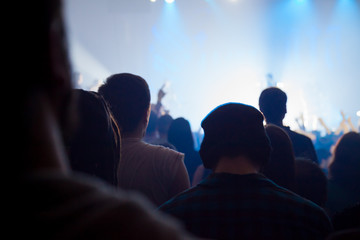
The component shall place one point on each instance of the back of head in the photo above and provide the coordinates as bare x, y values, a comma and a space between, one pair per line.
231, 130
92, 147
345, 167
272, 103
129, 98
281, 167
310, 181
180, 135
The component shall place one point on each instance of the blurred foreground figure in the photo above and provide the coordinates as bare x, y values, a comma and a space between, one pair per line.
236, 202
50, 202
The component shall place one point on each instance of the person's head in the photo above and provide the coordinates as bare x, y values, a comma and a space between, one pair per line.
345, 167
180, 135
129, 98
310, 181
272, 103
92, 147
281, 166
163, 124
233, 130
44, 89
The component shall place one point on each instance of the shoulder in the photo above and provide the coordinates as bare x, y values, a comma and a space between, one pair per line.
305, 208
182, 201
164, 152
297, 136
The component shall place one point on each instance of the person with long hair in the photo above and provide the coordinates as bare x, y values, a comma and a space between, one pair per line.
344, 174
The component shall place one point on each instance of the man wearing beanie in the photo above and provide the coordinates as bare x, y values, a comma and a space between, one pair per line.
236, 201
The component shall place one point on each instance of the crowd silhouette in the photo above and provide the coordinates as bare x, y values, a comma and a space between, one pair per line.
111, 165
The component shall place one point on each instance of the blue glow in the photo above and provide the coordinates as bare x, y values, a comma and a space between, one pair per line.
302, 1
287, 23
347, 5
169, 50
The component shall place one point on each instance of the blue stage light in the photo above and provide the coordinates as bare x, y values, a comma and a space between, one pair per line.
169, 1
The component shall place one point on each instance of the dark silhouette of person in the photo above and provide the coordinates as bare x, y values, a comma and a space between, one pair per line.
151, 133
93, 147
180, 135
235, 201
47, 199
281, 165
310, 181
159, 131
156, 171
272, 103
344, 174
163, 128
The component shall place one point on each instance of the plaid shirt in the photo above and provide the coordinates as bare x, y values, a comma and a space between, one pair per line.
231, 206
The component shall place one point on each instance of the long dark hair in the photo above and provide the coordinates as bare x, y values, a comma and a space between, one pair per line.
180, 135
345, 168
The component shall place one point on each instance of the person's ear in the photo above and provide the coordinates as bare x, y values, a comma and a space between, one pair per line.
147, 116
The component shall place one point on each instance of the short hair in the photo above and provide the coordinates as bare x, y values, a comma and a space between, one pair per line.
232, 130
129, 98
272, 103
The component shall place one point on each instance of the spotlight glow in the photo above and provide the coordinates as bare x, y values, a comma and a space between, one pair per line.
280, 85
358, 113
152, 0
169, 1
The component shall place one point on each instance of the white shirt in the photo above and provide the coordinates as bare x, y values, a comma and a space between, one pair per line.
156, 171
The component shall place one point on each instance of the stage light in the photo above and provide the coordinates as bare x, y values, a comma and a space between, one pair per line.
152, 0
280, 85
358, 113
169, 1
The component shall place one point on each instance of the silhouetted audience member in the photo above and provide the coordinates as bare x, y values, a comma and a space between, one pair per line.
272, 103
281, 165
236, 202
162, 127
344, 174
180, 135
48, 200
310, 181
156, 171
92, 147
151, 133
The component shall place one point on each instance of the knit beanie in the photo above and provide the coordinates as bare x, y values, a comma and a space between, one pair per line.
234, 129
